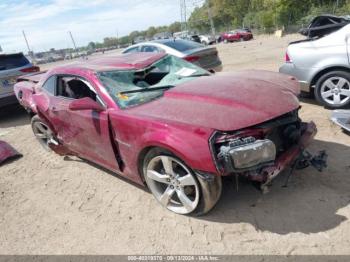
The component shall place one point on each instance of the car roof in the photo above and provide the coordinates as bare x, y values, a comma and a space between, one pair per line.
130, 61
14, 53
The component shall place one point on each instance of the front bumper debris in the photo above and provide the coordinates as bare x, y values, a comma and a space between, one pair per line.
295, 158
341, 118
7, 153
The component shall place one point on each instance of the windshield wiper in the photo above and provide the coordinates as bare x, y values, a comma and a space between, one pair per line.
146, 89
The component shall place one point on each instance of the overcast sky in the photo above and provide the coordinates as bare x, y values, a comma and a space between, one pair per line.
47, 22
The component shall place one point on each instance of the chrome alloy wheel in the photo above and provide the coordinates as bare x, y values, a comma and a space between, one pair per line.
172, 184
336, 91
43, 133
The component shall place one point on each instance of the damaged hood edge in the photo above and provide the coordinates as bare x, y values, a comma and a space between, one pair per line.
225, 102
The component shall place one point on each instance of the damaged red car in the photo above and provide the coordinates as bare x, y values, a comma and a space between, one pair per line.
165, 123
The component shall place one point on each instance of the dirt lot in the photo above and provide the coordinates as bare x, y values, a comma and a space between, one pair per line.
52, 205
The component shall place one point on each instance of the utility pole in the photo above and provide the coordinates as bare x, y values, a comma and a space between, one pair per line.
211, 19
71, 36
183, 11
25, 38
336, 6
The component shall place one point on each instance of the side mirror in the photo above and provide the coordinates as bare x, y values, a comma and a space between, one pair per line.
85, 103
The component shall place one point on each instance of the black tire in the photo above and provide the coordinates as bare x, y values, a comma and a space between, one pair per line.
319, 88
210, 186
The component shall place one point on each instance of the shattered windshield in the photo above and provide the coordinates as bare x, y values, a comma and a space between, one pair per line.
134, 87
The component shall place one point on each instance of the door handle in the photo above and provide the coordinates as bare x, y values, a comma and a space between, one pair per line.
54, 109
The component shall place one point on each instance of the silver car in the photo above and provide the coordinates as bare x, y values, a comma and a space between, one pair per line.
196, 53
12, 66
322, 66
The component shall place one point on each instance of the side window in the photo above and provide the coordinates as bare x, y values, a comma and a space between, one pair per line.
132, 50
50, 85
73, 87
149, 49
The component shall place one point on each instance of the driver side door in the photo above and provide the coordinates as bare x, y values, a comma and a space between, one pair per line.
85, 132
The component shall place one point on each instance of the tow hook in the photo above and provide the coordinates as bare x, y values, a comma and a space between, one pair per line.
306, 159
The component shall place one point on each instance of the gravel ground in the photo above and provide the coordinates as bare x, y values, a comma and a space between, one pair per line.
55, 205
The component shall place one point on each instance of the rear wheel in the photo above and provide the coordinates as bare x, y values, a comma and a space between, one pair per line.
333, 89
42, 132
176, 187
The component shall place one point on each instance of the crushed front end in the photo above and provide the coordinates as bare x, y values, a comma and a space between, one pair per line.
263, 151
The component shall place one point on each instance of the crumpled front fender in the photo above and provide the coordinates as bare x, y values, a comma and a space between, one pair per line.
7, 152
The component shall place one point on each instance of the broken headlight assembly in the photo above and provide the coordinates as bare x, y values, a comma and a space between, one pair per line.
242, 154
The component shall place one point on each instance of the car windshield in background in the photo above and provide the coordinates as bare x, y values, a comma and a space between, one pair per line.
182, 45
12, 61
166, 72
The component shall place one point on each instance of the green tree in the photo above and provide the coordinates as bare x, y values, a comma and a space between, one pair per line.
91, 46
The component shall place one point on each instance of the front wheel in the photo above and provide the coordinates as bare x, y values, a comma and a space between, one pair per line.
333, 89
176, 187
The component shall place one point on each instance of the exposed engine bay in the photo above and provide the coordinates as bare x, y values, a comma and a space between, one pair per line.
263, 151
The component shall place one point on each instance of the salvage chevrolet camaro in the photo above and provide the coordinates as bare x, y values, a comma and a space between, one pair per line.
163, 122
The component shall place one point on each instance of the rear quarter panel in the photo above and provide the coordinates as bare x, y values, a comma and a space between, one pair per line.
24, 92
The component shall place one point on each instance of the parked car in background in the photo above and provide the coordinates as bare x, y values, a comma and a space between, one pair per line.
163, 122
194, 38
207, 39
162, 35
187, 35
139, 39
181, 34
12, 66
236, 35
247, 29
321, 64
203, 56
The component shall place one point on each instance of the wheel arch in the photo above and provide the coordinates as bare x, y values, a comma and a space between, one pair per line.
46, 120
319, 74
140, 158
